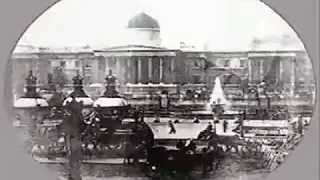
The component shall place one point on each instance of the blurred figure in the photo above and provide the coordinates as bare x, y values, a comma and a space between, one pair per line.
157, 119
209, 127
172, 129
176, 120
181, 145
191, 145
300, 125
206, 159
196, 119
225, 126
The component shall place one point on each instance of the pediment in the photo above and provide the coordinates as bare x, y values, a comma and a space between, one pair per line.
134, 48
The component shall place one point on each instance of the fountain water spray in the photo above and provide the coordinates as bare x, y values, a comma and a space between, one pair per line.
217, 96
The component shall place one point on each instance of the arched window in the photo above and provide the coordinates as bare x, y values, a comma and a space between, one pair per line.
226, 62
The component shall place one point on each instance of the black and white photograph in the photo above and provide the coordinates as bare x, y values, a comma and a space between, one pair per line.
168, 90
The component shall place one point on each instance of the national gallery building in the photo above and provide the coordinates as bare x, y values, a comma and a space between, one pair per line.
144, 60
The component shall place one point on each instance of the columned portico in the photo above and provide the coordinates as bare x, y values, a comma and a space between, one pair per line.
148, 62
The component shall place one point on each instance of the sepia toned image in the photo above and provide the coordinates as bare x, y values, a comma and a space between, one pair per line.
214, 89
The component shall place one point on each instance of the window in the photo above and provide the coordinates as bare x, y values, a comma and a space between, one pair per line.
77, 63
62, 63
242, 63
226, 63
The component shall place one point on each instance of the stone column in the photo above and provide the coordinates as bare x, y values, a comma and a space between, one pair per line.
172, 70
280, 69
172, 64
139, 70
250, 70
107, 60
261, 70
126, 70
118, 70
161, 70
132, 68
150, 70
83, 70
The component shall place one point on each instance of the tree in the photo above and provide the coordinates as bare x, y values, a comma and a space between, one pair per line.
59, 77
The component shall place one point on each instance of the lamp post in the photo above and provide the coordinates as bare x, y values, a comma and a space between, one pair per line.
30, 107
111, 107
71, 127
76, 105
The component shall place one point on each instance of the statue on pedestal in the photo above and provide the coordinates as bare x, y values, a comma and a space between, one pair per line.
111, 86
31, 79
77, 80
78, 86
51, 85
31, 86
110, 79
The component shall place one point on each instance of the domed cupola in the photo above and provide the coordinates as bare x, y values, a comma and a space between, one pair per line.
142, 20
145, 30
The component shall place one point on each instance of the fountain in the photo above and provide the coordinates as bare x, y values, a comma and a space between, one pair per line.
217, 96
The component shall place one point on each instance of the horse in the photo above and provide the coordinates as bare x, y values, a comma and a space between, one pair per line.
130, 152
211, 159
171, 162
203, 135
135, 146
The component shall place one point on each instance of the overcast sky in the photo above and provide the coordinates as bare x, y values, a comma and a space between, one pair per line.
222, 24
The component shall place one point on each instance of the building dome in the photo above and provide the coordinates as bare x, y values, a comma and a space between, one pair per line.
143, 20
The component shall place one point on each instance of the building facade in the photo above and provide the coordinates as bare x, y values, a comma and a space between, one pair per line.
143, 60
